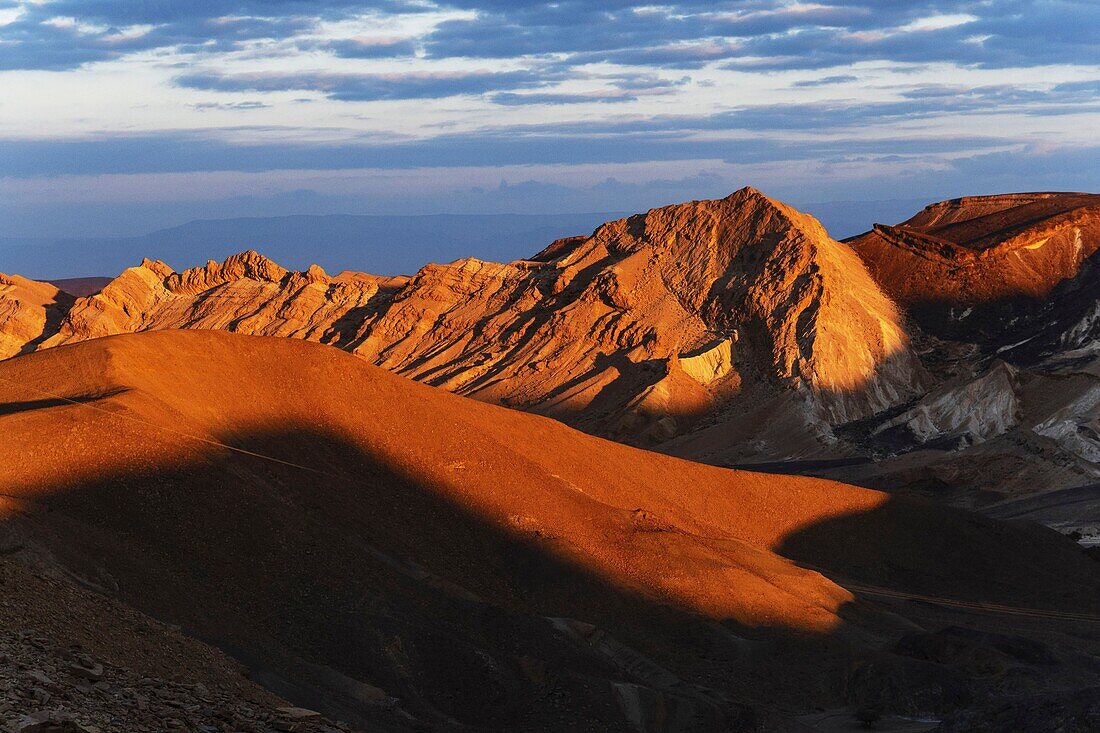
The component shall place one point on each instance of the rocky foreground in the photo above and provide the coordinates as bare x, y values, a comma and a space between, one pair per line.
75, 662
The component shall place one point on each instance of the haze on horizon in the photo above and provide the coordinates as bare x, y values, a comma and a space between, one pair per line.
120, 117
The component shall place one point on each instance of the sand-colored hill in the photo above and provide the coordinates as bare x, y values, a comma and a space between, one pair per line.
734, 332
382, 549
635, 331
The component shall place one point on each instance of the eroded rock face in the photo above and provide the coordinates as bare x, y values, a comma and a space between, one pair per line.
635, 331
247, 293
1003, 297
979, 249
28, 310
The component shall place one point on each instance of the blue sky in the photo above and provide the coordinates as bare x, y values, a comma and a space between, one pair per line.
118, 116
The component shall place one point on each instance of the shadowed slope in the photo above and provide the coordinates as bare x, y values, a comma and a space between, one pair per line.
409, 543
109, 668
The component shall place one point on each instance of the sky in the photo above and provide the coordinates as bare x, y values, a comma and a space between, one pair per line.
121, 116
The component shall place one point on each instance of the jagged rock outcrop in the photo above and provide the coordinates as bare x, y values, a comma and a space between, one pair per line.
635, 331
247, 293
1004, 292
29, 310
973, 411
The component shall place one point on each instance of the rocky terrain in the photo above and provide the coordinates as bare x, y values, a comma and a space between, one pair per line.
398, 557
952, 355
1010, 333
73, 661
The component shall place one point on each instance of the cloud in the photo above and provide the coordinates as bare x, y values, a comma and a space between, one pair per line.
758, 34
38, 41
547, 144
371, 48
230, 105
511, 99
364, 87
827, 87
826, 81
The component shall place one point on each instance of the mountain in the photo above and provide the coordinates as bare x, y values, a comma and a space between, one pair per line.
1002, 296
952, 356
394, 244
397, 556
957, 264
81, 286
636, 331
29, 310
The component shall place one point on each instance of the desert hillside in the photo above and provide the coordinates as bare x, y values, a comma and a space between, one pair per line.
975, 250
952, 356
389, 553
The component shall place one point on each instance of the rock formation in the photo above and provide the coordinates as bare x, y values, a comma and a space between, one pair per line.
636, 331
975, 250
1003, 297
29, 311
954, 354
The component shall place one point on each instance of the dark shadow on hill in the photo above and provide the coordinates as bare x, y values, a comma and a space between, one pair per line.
1011, 645
56, 313
365, 593
12, 408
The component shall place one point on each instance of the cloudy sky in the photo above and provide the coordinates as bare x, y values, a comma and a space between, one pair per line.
118, 116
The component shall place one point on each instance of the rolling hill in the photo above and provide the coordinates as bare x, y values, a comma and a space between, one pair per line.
388, 552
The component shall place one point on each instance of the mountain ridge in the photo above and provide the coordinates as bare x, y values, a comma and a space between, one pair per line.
732, 331
676, 308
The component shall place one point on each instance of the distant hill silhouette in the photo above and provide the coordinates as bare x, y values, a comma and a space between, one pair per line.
388, 245
385, 245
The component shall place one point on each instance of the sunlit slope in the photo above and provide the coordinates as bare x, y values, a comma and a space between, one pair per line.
976, 250
634, 332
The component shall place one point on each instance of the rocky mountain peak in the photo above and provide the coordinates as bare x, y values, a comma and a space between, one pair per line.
249, 265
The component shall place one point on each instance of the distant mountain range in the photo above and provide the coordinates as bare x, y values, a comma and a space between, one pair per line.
385, 245
382, 244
